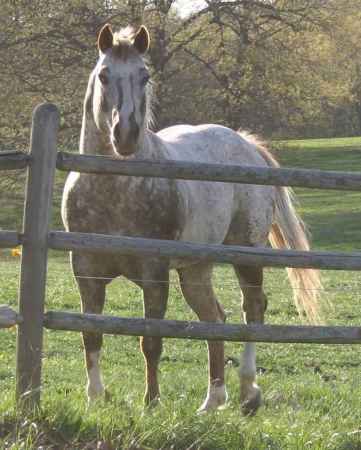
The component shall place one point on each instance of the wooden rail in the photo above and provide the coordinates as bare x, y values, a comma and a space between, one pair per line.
315, 179
10, 239
9, 317
265, 257
201, 330
11, 160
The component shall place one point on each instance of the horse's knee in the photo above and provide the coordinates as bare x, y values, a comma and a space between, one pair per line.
254, 307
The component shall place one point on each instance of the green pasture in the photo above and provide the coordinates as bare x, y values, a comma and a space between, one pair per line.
312, 394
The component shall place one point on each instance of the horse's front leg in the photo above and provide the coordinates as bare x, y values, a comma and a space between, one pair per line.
155, 295
196, 284
92, 293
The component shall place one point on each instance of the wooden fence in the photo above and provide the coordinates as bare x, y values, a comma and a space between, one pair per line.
36, 239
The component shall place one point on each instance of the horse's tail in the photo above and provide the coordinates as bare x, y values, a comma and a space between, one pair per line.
289, 231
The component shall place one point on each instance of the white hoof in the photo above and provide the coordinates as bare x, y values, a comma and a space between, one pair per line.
216, 399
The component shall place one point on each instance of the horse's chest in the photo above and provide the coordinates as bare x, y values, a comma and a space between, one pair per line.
134, 207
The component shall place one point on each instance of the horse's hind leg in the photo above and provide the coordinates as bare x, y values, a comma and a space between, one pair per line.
155, 296
196, 284
92, 293
254, 306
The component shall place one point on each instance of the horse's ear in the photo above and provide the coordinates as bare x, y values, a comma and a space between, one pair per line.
142, 40
105, 38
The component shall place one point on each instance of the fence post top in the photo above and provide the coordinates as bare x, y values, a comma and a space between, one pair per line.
45, 125
45, 109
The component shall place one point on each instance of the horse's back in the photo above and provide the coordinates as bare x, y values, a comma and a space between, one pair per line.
209, 143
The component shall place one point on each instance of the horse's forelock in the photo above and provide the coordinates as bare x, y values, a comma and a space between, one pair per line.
125, 34
123, 43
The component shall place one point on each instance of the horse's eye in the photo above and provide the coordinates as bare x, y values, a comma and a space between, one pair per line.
103, 77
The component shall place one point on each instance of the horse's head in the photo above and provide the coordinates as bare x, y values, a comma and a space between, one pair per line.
120, 93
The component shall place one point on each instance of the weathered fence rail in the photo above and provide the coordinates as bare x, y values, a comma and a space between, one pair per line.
315, 179
9, 317
230, 254
36, 239
10, 239
11, 160
201, 330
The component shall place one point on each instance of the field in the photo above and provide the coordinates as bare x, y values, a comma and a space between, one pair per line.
312, 393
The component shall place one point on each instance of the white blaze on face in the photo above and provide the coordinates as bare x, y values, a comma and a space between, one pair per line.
127, 106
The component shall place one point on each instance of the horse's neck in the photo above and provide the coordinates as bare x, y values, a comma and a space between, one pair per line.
91, 140
153, 147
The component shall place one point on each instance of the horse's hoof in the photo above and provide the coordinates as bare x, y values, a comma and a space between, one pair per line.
206, 410
95, 398
107, 396
250, 406
151, 404
151, 407
210, 408
216, 399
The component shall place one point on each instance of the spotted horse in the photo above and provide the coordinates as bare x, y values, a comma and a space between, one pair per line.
116, 123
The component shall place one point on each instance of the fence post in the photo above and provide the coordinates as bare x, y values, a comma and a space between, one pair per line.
37, 212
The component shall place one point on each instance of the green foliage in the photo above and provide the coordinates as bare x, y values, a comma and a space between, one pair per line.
283, 69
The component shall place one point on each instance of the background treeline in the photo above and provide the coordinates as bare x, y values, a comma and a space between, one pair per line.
282, 68
279, 68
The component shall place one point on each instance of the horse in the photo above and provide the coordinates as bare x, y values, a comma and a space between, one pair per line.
115, 123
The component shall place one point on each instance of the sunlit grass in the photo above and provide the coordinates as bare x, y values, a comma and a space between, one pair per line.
312, 393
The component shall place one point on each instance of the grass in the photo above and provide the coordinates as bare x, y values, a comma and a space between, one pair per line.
312, 393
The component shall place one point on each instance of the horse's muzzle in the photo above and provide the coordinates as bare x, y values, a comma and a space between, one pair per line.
125, 140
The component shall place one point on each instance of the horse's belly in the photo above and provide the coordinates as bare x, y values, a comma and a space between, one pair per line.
204, 226
208, 212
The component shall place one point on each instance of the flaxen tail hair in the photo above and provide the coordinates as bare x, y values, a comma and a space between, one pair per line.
289, 232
